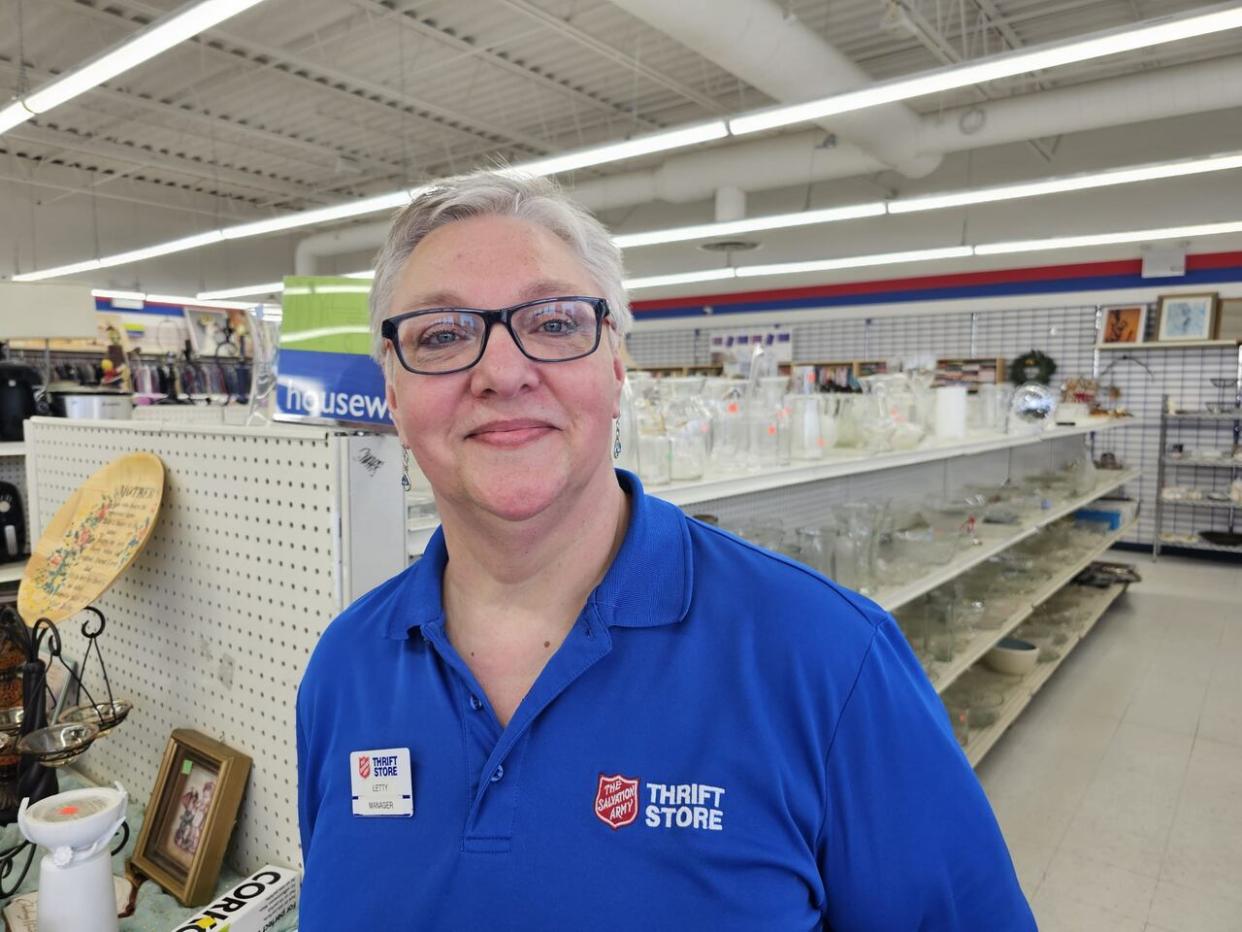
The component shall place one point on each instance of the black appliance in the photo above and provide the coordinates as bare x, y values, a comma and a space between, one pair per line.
17, 398
12, 524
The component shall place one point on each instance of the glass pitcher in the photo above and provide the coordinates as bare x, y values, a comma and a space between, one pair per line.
769, 424
688, 423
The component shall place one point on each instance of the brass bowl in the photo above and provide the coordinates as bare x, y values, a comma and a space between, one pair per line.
58, 745
103, 715
11, 719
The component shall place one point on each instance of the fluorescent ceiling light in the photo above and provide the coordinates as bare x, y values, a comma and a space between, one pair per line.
1108, 239
619, 151
854, 262
1153, 32
681, 278
749, 225
1053, 55
122, 295
368, 274
241, 292
1082, 182
187, 301
148, 43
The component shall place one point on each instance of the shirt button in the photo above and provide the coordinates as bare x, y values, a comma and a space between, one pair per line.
476, 703
498, 773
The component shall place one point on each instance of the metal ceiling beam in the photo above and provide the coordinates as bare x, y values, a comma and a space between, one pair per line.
942, 49
607, 51
318, 154
358, 90
66, 141
410, 19
104, 195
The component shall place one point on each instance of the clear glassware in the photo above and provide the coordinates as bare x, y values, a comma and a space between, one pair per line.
730, 438
817, 543
829, 419
688, 423
627, 429
655, 452
769, 424
807, 439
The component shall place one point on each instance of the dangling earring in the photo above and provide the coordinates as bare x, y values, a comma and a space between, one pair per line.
405, 468
616, 444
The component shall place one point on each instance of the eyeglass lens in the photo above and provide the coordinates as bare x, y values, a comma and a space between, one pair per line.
451, 339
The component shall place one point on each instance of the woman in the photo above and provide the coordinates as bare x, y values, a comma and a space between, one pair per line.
582, 709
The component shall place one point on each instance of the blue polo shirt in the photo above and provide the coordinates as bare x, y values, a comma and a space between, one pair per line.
725, 740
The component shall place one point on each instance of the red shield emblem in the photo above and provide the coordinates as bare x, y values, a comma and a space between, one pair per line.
364, 766
616, 800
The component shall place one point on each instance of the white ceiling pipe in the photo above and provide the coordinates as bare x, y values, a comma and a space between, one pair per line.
775, 53
365, 237
782, 161
1152, 95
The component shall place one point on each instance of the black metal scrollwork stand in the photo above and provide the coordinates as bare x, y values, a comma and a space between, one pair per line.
35, 780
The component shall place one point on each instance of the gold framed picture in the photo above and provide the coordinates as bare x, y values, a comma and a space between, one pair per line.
191, 815
1123, 324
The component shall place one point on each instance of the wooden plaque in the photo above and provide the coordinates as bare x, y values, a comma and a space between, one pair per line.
93, 538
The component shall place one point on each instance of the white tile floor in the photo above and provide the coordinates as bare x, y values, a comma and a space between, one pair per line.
1119, 789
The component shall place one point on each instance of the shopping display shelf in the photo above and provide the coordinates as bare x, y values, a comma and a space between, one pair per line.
1233, 415
12, 572
1098, 601
1172, 540
1225, 462
1170, 344
1198, 502
1001, 541
986, 640
839, 463
13, 448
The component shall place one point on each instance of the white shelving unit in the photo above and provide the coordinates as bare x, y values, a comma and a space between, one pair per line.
1098, 600
1169, 462
1169, 344
838, 465
13, 448
986, 640
997, 541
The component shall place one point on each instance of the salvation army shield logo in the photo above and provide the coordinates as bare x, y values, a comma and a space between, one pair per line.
616, 800
364, 766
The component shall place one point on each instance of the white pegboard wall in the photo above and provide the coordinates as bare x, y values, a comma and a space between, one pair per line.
211, 626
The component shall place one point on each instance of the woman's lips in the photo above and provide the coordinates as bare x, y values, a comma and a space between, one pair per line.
510, 434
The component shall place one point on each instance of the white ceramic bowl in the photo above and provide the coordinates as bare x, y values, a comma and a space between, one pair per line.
1013, 656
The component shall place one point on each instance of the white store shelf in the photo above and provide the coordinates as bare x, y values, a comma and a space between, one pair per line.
986, 640
1099, 600
14, 448
12, 572
1198, 502
1225, 462
1172, 540
1235, 415
838, 463
1171, 344
995, 542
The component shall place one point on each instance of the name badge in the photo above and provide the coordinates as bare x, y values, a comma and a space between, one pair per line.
381, 782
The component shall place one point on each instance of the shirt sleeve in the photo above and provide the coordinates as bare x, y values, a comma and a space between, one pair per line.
909, 840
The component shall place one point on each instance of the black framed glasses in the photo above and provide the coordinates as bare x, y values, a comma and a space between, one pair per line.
442, 340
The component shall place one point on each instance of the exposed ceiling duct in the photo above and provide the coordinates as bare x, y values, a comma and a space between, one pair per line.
774, 52
801, 158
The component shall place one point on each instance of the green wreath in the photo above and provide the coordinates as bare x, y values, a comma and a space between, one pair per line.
1032, 367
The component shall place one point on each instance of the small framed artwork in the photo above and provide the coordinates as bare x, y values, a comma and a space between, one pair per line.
1123, 324
1187, 317
1229, 319
190, 816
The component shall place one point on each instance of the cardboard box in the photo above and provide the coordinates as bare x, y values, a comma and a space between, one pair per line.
254, 905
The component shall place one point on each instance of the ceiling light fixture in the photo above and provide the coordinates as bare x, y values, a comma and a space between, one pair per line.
1153, 32
148, 43
1108, 239
1008, 64
749, 225
1103, 179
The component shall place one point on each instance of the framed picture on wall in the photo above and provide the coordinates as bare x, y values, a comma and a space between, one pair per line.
1123, 324
190, 816
1187, 317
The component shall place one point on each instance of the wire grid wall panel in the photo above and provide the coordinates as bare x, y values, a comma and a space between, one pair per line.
212, 625
1184, 375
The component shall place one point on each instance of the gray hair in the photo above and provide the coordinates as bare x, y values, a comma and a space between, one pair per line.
502, 194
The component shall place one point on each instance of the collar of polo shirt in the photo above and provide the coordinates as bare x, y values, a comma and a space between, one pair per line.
657, 544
